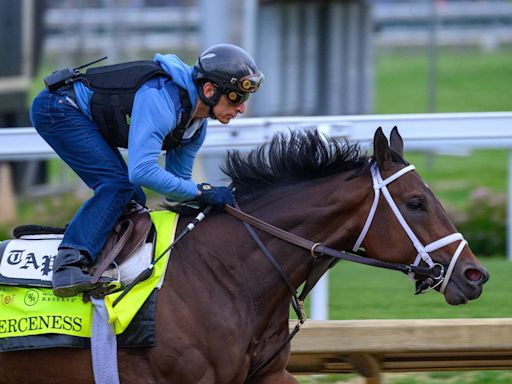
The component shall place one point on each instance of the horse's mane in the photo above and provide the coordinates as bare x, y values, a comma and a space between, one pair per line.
288, 159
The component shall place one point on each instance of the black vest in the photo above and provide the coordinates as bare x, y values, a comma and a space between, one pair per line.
114, 89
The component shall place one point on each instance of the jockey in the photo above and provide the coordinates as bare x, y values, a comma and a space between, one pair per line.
146, 107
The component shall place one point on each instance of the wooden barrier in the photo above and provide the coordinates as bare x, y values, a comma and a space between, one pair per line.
370, 347
7, 201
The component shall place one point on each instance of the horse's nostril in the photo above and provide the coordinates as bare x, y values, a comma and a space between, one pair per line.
473, 274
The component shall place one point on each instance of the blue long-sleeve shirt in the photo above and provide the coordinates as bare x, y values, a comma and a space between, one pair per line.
154, 116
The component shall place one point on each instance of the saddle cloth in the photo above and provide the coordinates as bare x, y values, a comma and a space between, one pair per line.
32, 309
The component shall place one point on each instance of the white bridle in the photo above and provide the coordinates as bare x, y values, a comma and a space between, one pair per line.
381, 185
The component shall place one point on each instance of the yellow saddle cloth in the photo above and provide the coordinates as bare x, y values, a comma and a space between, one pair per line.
36, 311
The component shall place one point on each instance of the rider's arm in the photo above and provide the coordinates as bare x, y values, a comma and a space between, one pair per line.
180, 161
153, 117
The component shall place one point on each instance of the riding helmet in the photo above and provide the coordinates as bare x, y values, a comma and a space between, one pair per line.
229, 67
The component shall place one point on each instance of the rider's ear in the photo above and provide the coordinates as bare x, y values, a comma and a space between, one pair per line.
208, 89
381, 149
397, 144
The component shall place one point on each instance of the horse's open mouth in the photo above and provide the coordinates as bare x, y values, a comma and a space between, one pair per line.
456, 296
467, 287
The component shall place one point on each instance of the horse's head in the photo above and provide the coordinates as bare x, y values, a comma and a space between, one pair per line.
398, 221
407, 224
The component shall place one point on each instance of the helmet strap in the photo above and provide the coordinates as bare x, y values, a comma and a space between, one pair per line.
210, 101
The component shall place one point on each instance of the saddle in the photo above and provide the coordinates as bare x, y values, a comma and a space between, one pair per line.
130, 232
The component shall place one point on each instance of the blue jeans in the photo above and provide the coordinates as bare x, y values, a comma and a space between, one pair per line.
78, 141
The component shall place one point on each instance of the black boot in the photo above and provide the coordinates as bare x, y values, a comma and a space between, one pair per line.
69, 277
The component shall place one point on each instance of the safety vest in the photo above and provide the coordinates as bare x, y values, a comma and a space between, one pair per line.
114, 89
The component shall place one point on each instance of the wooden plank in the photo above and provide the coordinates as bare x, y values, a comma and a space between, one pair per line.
379, 336
373, 346
341, 363
7, 200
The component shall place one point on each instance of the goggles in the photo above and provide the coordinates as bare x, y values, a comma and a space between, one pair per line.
249, 83
236, 98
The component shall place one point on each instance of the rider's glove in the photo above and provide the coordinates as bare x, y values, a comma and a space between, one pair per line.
216, 196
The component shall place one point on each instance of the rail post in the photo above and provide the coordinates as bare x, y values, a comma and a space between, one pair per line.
7, 200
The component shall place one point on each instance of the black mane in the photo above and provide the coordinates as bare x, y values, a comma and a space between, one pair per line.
288, 159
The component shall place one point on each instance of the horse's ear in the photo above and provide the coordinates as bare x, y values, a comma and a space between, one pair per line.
397, 144
381, 149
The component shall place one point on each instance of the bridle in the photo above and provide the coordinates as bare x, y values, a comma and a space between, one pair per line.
443, 277
435, 273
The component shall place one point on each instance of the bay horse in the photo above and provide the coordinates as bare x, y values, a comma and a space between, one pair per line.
224, 309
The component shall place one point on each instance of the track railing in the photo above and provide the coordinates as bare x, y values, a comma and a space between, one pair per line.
371, 347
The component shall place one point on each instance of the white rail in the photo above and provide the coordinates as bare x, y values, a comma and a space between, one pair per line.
426, 132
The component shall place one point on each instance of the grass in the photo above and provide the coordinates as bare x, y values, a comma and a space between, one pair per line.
362, 292
454, 178
482, 377
467, 81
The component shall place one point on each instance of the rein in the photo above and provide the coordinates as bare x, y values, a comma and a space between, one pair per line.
318, 249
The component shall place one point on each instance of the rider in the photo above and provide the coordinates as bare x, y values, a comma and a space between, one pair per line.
146, 107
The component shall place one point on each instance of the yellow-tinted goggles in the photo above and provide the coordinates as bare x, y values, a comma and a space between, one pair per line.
236, 98
250, 83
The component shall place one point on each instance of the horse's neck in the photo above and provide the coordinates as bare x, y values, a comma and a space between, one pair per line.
330, 210
324, 211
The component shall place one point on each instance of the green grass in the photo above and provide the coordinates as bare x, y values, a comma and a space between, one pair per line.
454, 178
482, 377
467, 81
362, 292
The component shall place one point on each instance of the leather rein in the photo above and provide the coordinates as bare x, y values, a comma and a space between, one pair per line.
435, 273
318, 249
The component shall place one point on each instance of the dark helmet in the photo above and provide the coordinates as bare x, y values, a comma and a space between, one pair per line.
231, 69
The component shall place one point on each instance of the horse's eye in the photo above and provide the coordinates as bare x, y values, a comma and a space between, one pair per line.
416, 205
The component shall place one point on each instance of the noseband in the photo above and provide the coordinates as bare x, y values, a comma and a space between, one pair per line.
442, 277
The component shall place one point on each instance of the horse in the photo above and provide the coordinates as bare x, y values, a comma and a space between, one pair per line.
224, 309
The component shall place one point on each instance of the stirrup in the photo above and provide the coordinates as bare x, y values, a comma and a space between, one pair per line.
102, 290
75, 289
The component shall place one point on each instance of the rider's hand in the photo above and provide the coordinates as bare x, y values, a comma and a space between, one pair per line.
216, 196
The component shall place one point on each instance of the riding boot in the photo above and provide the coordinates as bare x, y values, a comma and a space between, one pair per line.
69, 276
